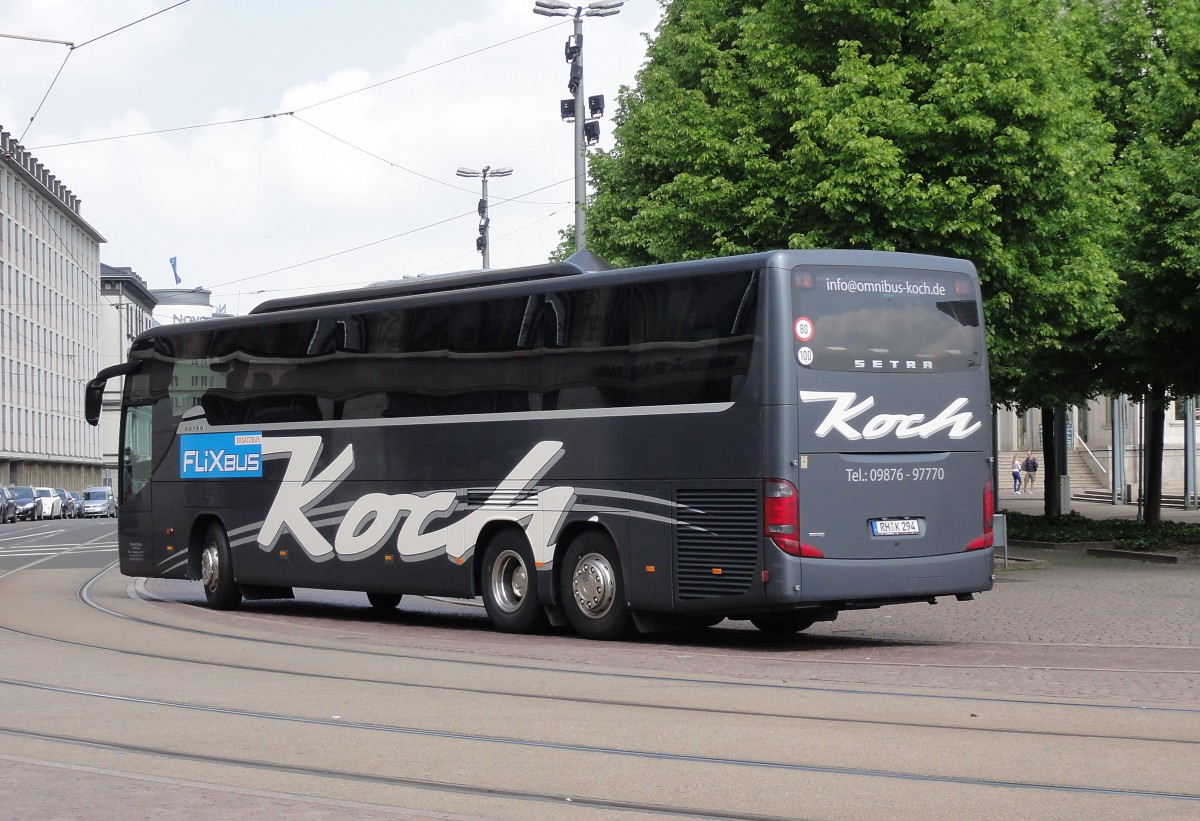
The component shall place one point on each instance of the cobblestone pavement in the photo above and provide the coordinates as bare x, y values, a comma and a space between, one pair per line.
1074, 626
1062, 627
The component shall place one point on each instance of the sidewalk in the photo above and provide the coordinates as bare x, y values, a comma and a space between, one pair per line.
1035, 504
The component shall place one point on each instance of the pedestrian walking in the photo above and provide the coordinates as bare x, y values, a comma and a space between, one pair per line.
1016, 473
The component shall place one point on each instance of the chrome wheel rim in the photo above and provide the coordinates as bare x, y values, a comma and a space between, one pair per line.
594, 586
510, 581
210, 566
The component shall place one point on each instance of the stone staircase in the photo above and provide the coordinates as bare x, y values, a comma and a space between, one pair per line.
1089, 484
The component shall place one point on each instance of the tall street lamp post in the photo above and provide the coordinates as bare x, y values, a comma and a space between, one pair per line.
481, 244
587, 131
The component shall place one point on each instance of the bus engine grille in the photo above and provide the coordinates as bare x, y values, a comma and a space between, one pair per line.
716, 541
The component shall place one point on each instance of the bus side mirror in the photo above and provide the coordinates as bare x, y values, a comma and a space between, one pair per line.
92, 398
93, 394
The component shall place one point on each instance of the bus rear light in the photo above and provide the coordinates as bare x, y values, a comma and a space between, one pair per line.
989, 513
781, 518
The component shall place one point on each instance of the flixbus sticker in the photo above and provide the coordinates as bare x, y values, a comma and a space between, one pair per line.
220, 455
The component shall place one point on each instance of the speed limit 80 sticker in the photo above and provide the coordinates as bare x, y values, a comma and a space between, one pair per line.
804, 329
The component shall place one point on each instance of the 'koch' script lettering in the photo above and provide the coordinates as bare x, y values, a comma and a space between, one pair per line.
417, 525
846, 409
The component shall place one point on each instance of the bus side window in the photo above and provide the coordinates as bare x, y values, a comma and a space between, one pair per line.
486, 344
585, 354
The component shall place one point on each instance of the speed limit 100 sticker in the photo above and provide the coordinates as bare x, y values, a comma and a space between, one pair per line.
805, 355
804, 329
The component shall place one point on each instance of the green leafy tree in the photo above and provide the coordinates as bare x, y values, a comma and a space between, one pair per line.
941, 126
566, 245
1145, 55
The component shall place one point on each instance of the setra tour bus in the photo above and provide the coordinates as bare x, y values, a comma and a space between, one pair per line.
772, 437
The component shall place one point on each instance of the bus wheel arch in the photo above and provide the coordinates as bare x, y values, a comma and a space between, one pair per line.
508, 581
211, 556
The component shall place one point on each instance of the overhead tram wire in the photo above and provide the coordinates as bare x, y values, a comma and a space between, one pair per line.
294, 111
392, 164
134, 23
161, 131
72, 47
473, 212
346, 250
45, 96
419, 273
429, 67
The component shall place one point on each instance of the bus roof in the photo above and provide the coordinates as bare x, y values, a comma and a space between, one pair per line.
581, 262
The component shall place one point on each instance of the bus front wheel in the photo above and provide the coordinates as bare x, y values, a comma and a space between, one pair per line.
593, 590
510, 593
216, 571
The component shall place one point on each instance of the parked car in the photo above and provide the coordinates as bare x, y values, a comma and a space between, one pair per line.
51, 504
29, 506
98, 501
8, 506
69, 511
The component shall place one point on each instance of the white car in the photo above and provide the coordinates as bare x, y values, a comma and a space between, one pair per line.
51, 504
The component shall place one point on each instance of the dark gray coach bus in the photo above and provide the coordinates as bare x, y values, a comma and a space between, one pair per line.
774, 437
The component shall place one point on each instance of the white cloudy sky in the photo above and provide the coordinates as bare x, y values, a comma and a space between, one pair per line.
237, 203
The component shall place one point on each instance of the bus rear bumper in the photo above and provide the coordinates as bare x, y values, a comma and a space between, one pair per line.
856, 582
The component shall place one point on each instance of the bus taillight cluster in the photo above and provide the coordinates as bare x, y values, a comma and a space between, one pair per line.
781, 518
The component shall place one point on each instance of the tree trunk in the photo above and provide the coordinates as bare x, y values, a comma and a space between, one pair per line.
1050, 464
1156, 407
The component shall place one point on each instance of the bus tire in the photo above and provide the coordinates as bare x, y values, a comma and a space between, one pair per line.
510, 593
783, 624
384, 602
216, 571
593, 589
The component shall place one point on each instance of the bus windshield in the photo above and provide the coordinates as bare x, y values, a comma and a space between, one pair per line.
895, 320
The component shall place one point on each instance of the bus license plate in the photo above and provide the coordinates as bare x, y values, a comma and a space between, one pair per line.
895, 527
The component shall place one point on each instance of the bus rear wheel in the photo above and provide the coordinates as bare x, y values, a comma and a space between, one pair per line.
510, 593
593, 590
216, 571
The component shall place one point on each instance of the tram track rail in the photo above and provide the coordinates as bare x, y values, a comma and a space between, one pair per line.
690, 811
85, 597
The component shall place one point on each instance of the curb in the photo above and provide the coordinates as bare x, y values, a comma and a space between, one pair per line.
1020, 563
1156, 558
1080, 547
1105, 550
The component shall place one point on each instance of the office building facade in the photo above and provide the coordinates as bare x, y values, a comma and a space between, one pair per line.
50, 326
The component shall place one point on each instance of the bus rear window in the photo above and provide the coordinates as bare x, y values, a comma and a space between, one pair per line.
885, 320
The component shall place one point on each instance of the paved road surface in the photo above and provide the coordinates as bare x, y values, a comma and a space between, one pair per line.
1071, 690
